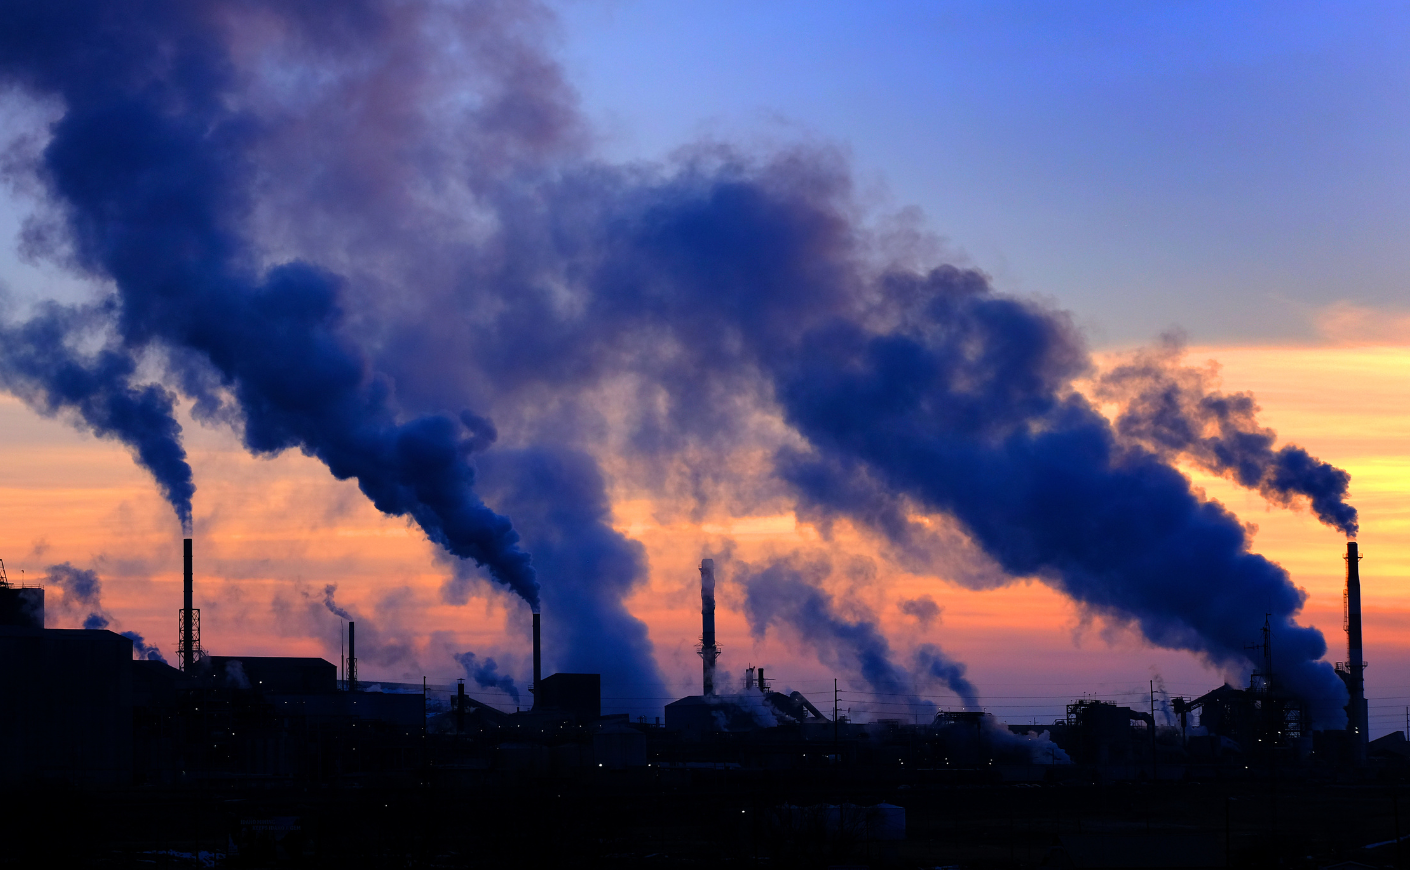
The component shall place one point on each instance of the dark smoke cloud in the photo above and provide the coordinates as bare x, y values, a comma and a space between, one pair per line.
346, 265
559, 501
142, 649
485, 673
380, 642
148, 161
924, 609
934, 666
81, 589
1173, 411
332, 605
787, 593
97, 391
967, 409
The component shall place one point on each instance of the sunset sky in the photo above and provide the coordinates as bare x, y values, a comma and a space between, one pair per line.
1240, 175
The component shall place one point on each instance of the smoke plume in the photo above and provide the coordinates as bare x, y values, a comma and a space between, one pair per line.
97, 392
143, 650
559, 500
485, 673
993, 739
923, 608
150, 164
328, 592
81, 590
967, 408
364, 230
786, 593
1172, 410
382, 641
932, 665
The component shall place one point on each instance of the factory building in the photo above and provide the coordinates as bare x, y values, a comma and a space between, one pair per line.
78, 709
697, 717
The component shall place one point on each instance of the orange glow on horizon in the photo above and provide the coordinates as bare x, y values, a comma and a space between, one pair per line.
273, 533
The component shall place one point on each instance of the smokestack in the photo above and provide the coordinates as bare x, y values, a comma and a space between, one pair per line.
538, 661
352, 656
188, 644
709, 650
1356, 712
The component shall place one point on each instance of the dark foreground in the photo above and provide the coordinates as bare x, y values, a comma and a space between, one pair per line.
710, 818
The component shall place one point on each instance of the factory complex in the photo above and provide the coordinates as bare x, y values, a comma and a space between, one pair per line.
287, 759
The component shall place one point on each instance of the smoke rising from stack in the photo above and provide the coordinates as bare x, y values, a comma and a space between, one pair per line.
1172, 411
352, 303
328, 601
787, 593
142, 649
98, 393
559, 502
81, 590
148, 165
386, 641
934, 666
485, 673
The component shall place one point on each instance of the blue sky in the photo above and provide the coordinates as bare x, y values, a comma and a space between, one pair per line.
1229, 168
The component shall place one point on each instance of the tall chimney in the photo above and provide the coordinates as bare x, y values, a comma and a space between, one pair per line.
538, 661
352, 656
1356, 712
709, 650
189, 641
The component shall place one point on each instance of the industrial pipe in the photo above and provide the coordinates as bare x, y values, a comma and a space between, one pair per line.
187, 653
538, 660
352, 656
1356, 719
709, 650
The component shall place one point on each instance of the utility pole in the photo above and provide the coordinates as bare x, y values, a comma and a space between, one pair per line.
834, 714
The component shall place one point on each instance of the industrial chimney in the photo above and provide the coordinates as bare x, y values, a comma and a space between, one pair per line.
188, 644
352, 656
538, 661
709, 650
1357, 719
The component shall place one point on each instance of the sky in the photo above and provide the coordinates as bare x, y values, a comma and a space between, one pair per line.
1236, 173
1231, 169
